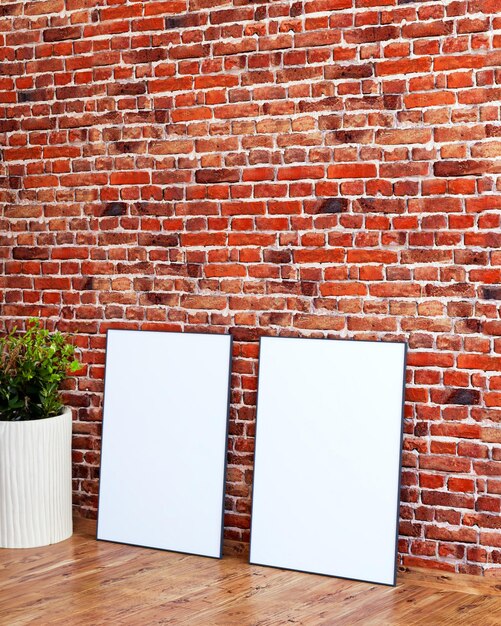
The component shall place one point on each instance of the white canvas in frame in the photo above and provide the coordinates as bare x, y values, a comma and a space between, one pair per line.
327, 462
164, 440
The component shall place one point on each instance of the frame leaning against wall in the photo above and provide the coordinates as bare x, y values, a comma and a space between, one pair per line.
164, 442
308, 427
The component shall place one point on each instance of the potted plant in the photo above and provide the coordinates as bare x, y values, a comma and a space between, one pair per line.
35, 438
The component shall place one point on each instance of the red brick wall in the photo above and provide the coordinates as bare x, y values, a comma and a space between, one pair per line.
317, 167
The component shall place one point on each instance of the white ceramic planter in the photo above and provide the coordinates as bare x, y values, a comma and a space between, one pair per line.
35, 482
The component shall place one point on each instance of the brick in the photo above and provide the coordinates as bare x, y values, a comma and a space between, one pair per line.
479, 361
403, 66
491, 293
372, 256
244, 208
458, 62
244, 45
44, 7
487, 468
235, 111
463, 535
62, 34
319, 256
189, 52
275, 43
440, 498
143, 55
445, 463
465, 168
220, 270
319, 322
404, 136
428, 29
171, 147
204, 302
332, 205
162, 7
170, 84
337, 71
343, 289
129, 178
327, 5
352, 170
217, 176
379, 205
301, 172
426, 99
372, 34
31, 182
26, 253
462, 485
310, 168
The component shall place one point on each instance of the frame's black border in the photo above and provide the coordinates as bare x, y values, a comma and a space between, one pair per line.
373, 582
404, 380
225, 444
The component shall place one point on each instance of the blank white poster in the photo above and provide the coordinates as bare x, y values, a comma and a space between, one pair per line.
164, 440
327, 461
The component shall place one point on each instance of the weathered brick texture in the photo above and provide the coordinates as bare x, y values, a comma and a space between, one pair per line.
297, 167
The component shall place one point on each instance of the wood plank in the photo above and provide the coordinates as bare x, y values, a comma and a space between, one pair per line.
82, 581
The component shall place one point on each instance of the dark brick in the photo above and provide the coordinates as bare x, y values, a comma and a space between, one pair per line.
34, 95
193, 270
471, 325
463, 396
158, 240
217, 176
161, 116
146, 55
349, 71
11, 9
333, 205
240, 333
379, 205
260, 13
128, 89
184, 21
421, 429
160, 298
77, 92
351, 136
466, 168
85, 283
12, 69
492, 292
61, 34
392, 102
372, 34
493, 130
114, 209
457, 289
128, 147
153, 208
309, 289
7, 126
277, 256
30, 253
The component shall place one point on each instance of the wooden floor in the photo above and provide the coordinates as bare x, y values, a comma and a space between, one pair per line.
82, 581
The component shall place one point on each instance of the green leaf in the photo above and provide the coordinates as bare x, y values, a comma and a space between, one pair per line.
33, 364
